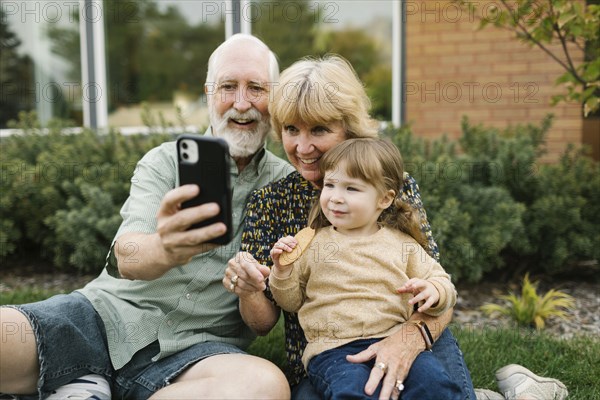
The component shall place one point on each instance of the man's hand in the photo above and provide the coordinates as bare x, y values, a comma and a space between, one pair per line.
172, 244
180, 244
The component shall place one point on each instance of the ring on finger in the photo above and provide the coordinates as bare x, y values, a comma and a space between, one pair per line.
399, 385
234, 280
382, 366
232, 287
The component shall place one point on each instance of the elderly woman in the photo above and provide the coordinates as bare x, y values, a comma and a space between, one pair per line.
318, 104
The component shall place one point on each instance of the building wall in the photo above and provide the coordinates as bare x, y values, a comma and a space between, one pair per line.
455, 70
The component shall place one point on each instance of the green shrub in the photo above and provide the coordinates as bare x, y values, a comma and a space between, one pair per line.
61, 192
507, 158
84, 230
473, 226
563, 219
561, 222
492, 204
473, 218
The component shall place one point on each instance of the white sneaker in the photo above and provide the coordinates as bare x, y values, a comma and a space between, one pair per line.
88, 387
517, 382
485, 394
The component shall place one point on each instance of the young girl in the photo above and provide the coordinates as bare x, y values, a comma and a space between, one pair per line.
340, 284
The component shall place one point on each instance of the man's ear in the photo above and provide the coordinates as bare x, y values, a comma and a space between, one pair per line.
387, 199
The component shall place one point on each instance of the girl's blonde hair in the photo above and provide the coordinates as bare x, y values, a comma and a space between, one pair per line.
379, 163
319, 91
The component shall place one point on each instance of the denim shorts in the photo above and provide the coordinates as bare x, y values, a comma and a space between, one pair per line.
71, 342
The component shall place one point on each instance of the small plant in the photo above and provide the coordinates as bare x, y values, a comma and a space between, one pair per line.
531, 309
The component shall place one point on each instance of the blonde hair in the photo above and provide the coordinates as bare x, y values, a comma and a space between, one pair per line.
319, 91
379, 163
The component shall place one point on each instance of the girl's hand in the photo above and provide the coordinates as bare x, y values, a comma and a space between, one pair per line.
422, 290
285, 244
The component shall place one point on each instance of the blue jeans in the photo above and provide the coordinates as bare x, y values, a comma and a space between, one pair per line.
71, 342
337, 379
446, 351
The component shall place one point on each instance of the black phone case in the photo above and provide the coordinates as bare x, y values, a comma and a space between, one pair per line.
211, 173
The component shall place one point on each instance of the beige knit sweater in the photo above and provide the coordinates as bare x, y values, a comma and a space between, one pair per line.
344, 288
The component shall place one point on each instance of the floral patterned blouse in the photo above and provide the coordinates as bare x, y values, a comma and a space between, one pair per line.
280, 209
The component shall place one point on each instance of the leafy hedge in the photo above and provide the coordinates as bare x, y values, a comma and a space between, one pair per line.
493, 206
61, 193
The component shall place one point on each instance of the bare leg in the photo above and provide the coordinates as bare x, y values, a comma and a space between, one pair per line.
19, 367
229, 376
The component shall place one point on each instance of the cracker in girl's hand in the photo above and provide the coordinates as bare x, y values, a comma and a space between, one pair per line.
304, 238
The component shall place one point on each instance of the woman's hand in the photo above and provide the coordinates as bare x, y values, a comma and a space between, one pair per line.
244, 275
422, 290
397, 352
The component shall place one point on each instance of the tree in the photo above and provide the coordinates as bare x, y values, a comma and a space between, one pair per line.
378, 83
566, 22
288, 27
356, 45
16, 72
363, 52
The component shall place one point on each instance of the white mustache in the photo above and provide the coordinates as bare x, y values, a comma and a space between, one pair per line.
252, 113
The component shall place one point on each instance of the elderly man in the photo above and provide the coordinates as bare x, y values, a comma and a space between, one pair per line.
157, 321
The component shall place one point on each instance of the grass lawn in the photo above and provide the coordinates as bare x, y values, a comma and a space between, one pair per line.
576, 362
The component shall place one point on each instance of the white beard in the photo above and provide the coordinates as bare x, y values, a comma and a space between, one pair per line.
242, 143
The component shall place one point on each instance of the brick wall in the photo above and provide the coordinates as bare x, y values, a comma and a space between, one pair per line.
453, 69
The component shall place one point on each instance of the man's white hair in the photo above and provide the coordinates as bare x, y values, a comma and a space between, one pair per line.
214, 57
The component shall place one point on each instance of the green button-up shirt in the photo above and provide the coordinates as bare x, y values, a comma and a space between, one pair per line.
188, 304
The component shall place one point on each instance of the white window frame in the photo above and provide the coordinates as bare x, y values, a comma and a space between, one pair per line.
94, 96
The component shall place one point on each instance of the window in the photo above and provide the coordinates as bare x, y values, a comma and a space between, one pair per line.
157, 55
156, 52
360, 31
40, 67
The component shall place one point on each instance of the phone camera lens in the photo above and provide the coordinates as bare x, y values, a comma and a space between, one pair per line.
185, 156
184, 145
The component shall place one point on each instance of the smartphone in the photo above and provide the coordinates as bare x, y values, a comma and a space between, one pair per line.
204, 161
